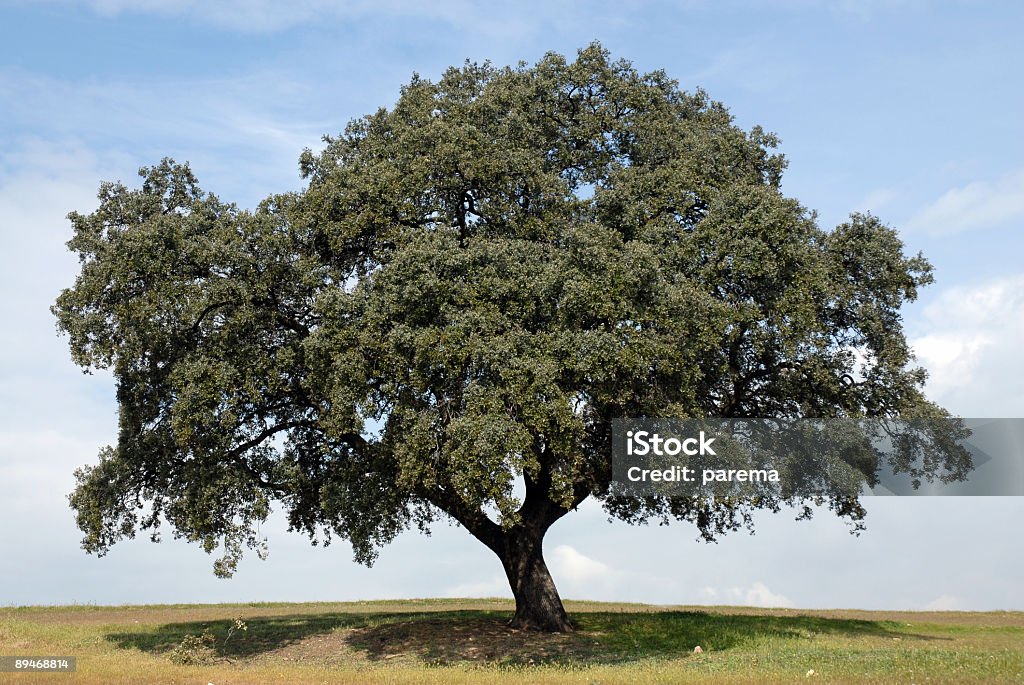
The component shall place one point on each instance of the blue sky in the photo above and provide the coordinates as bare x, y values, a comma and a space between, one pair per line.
911, 110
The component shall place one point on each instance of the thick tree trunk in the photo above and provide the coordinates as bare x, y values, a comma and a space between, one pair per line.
520, 548
538, 606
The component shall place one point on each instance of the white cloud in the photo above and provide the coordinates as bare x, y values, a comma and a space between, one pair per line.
265, 16
571, 570
505, 20
39, 184
248, 130
746, 67
862, 10
567, 563
975, 206
969, 341
876, 200
260, 16
944, 603
580, 576
757, 594
36, 471
497, 586
952, 358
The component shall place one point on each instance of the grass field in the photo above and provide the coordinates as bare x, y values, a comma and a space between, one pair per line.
466, 641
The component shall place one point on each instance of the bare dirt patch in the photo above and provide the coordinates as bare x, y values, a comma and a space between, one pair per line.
475, 640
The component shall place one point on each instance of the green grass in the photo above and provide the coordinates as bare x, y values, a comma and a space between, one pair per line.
467, 641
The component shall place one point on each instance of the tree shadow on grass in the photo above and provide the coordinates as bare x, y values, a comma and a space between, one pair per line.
269, 634
601, 637
448, 637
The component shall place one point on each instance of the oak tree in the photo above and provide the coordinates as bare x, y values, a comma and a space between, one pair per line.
472, 285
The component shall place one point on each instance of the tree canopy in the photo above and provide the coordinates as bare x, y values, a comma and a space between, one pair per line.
445, 321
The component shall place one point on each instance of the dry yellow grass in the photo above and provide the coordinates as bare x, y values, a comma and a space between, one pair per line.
465, 641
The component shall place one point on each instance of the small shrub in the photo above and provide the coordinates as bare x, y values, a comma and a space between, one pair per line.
237, 626
195, 650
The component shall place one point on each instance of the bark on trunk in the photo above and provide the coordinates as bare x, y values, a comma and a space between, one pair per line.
520, 549
538, 606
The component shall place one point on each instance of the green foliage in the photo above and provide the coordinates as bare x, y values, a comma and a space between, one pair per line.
473, 284
194, 650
